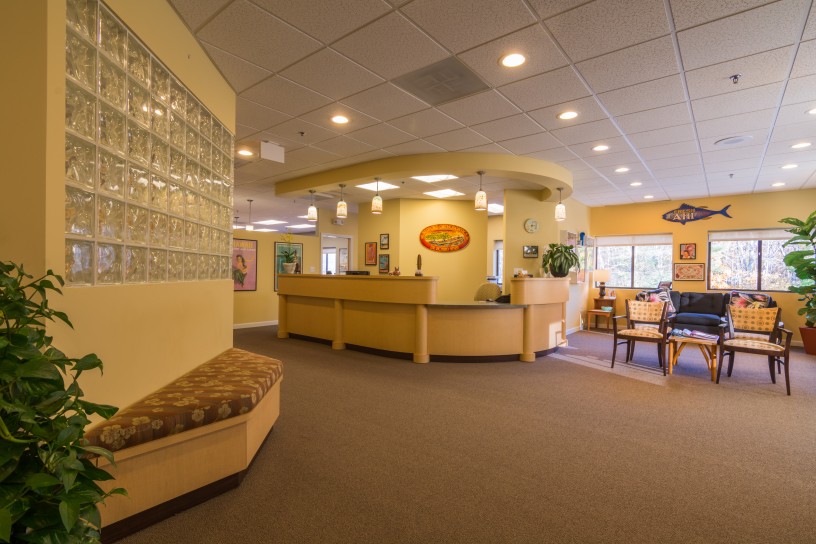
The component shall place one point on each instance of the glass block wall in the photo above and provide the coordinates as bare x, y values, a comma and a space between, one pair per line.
148, 169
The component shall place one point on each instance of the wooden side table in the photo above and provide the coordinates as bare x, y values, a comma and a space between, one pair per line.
597, 311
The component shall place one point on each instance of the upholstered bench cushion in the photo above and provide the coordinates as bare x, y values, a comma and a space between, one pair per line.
641, 331
226, 386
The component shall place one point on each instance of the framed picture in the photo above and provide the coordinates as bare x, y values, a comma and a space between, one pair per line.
384, 241
569, 238
689, 271
342, 257
529, 252
385, 262
688, 252
244, 265
370, 253
288, 259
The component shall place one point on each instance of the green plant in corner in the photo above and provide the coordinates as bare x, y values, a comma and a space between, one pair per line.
803, 262
558, 260
48, 489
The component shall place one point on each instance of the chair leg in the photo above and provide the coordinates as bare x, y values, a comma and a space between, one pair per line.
614, 351
787, 374
730, 362
661, 357
630, 350
771, 361
719, 365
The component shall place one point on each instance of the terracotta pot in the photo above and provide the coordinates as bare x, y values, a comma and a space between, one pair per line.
809, 339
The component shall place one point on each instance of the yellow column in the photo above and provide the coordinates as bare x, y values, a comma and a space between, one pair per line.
338, 342
282, 326
527, 353
421, 335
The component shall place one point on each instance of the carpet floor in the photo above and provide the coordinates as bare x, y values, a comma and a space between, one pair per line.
563, 450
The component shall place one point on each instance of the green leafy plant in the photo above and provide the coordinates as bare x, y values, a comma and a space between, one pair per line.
287, 249
558, 259
803, 262
48, 489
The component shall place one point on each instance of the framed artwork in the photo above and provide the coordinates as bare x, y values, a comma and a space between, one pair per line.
688, 252
342, 257
529, 252
283, 252
370, 253
384, 263
569, 238
384, 239
689, 271
244, 265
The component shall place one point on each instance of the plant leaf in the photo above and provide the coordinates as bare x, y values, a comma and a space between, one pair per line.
5, 525
41, 479
69, 513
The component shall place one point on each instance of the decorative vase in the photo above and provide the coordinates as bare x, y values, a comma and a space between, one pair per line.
289, 268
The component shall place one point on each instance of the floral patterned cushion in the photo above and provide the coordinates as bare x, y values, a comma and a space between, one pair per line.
641, 332
228, 385
753, 344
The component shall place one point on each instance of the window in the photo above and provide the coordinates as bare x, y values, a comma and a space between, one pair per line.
636, 262
498, 260
751, 260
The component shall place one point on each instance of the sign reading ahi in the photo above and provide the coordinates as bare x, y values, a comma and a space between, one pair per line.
686, 213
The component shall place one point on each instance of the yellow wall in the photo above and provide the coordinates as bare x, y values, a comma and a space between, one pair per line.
495, 231
369, 228
146, 335
756, 211
261, 306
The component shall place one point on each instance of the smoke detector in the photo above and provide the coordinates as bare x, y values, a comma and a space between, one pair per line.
733, 140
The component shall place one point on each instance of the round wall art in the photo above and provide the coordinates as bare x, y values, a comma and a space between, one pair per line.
444, 237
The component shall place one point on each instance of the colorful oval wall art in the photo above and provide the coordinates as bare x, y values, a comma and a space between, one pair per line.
444, 237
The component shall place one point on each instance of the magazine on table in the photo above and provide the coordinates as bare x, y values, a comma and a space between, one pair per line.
695, 334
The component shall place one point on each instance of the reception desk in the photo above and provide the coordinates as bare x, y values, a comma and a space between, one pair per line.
400, 315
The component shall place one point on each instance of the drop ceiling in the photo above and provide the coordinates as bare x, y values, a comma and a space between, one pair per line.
651, 79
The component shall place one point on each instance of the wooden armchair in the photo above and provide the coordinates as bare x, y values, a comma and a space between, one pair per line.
645, 322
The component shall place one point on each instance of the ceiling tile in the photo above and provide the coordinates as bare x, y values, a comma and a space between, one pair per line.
752, 152
487, 148
309, 156
801, 89
458, 139
669, 135
616, 145
262, 39
285, 96
674, 162
330, 73
426, 123
796, 113
612, 24
533, 42
553, 155
529, 144
243, 131
767, 27
695, 170
790, 156
810, 26
286, 143
669, 150
326, 21
644, 96
391, 46
385, 102
783, 147
479, 108
587, 132
754, 137
414, 147
239, 73
586, 108
667, 116
736, 124
256, 116
544, 90
551, 8
650, 60
805, 60
610, 161
729, 166
381, 135
688, 13
793, 132
476, 22
322, 118
292, 129
743, 101
196, 12
344, 146
510, 127
755, 70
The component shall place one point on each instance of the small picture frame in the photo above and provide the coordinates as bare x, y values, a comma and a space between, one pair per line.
384, 239
688, 252
689, 271
529, 252
370, 253
384, 263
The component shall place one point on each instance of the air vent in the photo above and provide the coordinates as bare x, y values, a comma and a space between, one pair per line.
441, 82
733, 140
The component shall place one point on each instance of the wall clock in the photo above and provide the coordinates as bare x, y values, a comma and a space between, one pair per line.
531, 225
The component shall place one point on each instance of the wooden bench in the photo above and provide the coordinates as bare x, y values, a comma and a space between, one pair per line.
190, 440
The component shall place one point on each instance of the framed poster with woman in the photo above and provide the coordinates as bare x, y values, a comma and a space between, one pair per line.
244, 265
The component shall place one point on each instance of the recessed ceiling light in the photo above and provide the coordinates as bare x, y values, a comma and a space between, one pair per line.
648, 196
635, 184
378, 186
302, 216
269, 222
443, 193
237, 227
265, 230
600, 147
434, 178
778, 184
568, 115
812, 112
621, 170
340, 119
801, 145
495, 208
789, 166
303, 226
245, 152
513, 59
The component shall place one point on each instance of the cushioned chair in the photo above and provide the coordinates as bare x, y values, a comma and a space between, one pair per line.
487, 291
758, 331
645, 322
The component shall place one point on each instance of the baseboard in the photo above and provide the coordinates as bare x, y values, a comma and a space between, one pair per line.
254, 325
574, 329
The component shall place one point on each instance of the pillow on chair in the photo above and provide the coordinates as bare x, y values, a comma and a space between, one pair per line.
657, 295
749, 300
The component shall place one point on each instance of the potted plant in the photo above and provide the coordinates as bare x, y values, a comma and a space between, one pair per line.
288, 253
48, 489
558, 259
803, 262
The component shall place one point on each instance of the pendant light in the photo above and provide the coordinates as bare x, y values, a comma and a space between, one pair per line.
342, 208
311, 214
560, 209
249, 223
480, 203
376, 202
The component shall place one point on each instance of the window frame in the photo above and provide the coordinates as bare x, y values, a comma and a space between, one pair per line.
664, 240
760, 255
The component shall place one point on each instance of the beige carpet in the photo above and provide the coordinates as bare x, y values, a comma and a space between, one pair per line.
375, 450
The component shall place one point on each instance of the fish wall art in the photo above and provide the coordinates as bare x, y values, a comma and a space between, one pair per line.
686, 213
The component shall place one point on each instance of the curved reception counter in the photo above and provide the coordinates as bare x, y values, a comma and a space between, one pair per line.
400, 316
